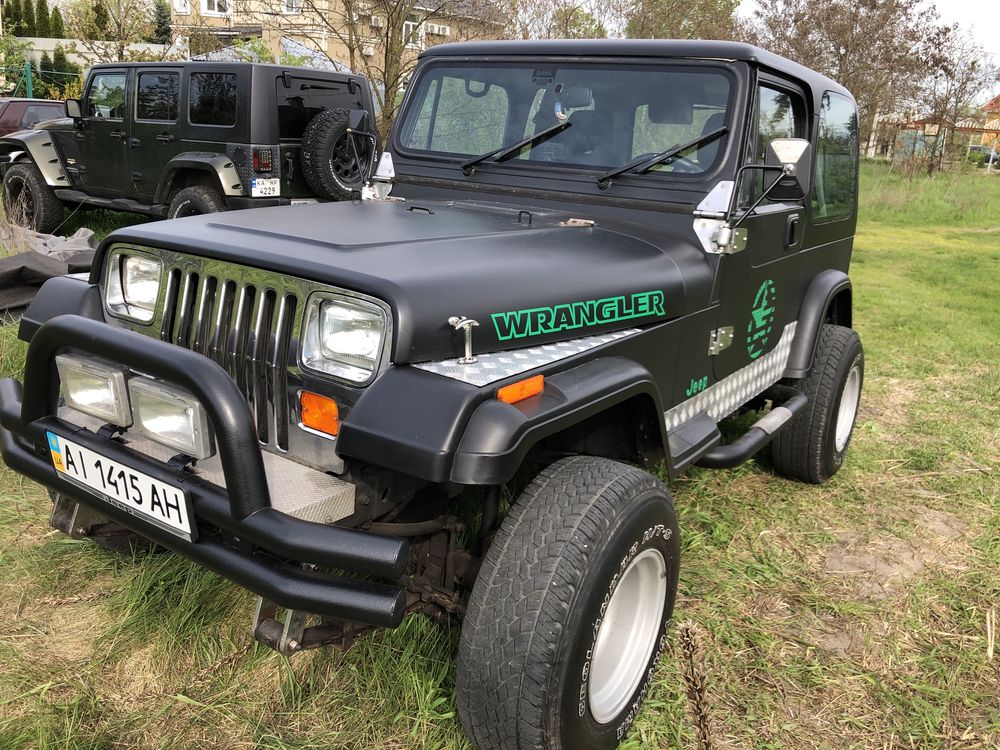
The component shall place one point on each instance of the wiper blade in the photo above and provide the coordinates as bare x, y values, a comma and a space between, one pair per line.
641, 166
505, 152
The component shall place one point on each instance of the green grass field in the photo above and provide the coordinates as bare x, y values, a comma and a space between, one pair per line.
860, 614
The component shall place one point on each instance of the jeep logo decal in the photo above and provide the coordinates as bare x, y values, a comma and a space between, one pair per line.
518, 324
761, 318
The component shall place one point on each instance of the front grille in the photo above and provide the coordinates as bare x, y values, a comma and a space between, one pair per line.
246, 328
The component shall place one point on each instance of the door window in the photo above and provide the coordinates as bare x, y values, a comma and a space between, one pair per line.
157, 95
213, 99
780, 114
106, 97
836, 159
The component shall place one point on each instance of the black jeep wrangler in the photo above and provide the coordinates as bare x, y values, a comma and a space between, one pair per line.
450, 400
177, 139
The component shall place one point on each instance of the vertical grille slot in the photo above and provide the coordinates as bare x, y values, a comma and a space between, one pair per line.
258, 362
279, 368
185, 317
203, 321
170, 305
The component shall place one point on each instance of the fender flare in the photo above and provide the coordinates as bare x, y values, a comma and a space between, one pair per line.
219, 166
499, 436
829, 291
39, 146
62, 295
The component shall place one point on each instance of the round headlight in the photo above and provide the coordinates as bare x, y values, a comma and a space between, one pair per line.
133, 286
343, 337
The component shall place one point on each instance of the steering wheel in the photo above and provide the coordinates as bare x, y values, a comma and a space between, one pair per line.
680, 163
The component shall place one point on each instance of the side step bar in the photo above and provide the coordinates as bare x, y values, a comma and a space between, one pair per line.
114, 204
760, 434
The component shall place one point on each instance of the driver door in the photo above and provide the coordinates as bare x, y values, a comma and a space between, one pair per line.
758, 286
104, 133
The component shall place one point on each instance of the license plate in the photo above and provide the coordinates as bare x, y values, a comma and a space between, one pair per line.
265, 187
133, 491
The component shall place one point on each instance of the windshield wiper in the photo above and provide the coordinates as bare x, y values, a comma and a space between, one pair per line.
643, 165
505, 152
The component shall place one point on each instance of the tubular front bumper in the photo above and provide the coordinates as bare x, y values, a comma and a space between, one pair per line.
241, 537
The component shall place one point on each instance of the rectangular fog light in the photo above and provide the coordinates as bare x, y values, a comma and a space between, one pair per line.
171, 417
94, 388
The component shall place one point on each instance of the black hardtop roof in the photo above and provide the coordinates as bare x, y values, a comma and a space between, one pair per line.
211, 64
688, 49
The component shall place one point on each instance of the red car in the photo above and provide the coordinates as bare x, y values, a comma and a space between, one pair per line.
20, 114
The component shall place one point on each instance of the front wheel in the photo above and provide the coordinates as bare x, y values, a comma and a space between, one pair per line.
568, 617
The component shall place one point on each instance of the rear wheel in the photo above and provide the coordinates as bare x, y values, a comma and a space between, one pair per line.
196, 200
29, 202
567, 619
813, 447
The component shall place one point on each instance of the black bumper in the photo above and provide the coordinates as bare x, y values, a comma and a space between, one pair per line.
241, 537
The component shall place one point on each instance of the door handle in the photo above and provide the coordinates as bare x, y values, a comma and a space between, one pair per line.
134, 142
165, 138
792, 231
119, 134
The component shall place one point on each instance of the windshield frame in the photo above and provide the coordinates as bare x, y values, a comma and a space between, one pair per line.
577, 174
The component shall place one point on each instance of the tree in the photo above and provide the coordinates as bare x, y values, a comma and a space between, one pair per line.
42, 18
109, 32
45, 70
879, 49
56, 28
574, 22
12, 17
27, 18
677, 19
162, 32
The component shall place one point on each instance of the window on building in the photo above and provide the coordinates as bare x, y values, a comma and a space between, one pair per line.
212, 99
218, 7
413, 32
106, 96
293, 6
836, 159
157, 95
182, 6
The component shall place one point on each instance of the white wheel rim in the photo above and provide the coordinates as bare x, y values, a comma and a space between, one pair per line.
627, 635
848, 408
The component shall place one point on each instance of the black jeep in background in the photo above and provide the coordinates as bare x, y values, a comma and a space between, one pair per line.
176, 139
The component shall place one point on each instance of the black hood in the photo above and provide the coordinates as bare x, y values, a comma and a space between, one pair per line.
527, 278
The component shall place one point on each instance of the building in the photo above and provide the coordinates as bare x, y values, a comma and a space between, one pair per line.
991, 136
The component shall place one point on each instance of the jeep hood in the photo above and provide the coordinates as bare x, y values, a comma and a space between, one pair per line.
527, 279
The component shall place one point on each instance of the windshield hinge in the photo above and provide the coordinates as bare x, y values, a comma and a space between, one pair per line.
729, 240
719, 339
577, 223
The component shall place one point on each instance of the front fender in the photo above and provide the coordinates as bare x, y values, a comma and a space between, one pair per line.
219, 166
39, 146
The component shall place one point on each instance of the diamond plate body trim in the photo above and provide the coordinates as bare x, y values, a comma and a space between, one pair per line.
723, 398
499, 365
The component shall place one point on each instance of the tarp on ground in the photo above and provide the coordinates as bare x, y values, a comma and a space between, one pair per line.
32, 258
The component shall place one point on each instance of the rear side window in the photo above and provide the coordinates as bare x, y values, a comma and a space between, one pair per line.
35, 113
157, 96
305, 98
836, 159
213, 99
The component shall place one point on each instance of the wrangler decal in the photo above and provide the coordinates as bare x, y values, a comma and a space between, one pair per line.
761, 318
518, 324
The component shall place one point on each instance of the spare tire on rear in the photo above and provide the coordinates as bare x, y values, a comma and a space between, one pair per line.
329, 164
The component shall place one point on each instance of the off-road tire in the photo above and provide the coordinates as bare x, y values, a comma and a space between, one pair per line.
196, 200
528, 641
806, 449
29, 202
328, 164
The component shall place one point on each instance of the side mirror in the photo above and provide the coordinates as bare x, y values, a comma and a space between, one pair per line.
74, 109
793, 155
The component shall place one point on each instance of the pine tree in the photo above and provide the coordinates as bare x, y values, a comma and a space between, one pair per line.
59, 62
12, 17
56, 28
42, 18
27, 18
45, 70
101, 17
161, 23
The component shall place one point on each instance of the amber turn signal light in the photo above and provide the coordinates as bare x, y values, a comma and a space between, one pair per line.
319, 413
522, 389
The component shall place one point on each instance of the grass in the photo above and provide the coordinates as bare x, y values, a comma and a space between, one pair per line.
852, 615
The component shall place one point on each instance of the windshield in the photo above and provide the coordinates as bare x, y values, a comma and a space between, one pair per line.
618, 113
